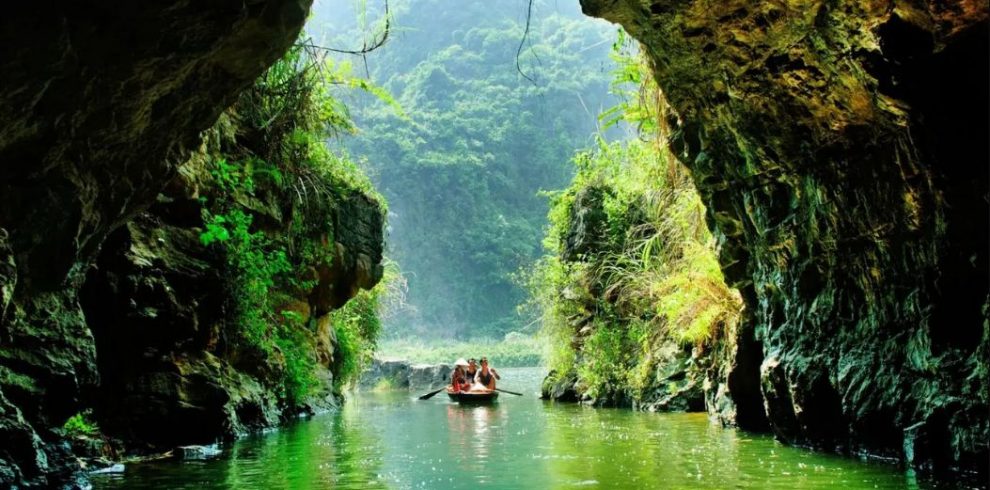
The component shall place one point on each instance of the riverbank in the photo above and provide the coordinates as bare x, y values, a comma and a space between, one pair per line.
514, 351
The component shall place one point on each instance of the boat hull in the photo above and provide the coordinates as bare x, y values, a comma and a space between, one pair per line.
473, 398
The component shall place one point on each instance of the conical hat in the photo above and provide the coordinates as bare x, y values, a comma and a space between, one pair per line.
461, 362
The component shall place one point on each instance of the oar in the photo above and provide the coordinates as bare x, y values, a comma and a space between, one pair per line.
509, 392
430, 394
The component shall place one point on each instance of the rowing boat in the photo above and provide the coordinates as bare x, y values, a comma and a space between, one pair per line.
476, 397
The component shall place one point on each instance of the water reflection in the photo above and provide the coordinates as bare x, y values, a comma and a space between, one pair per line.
337, 451
624, 449
470, 430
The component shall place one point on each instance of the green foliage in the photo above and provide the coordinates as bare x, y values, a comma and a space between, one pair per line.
463, 167
555, 293
295, 109
652, 278
253, 262
280, 128
519, 351
81, 424
292, 340
385, 384
631, 83
608, 356
356, 325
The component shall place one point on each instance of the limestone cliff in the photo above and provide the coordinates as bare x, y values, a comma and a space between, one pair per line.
171, 369
840, 147
99, 102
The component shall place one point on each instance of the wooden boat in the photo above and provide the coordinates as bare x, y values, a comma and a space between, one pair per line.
475, 397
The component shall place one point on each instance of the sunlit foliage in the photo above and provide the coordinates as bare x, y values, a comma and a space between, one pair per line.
282, 125
651, 274
463, 165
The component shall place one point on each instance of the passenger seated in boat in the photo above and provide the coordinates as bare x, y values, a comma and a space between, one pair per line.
458, 379
486, 376
471, 371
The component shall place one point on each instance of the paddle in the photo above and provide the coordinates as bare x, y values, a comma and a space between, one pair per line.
509, 392
430, 394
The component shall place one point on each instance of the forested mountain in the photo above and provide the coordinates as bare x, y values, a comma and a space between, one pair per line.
463, 162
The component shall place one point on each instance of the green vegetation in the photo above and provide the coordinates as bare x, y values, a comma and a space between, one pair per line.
463, 166
81, 424
358, 325
272, 144
514, 351
632, 264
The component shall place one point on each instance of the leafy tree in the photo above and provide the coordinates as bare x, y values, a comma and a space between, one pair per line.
464, 165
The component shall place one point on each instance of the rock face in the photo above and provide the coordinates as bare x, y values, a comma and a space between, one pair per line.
677, 386
841, 150
98, 105
402, 374
677, 371
561, 387
679, 381
587, 230
160, 310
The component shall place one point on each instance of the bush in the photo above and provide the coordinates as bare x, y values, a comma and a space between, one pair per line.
357, 325
80, 424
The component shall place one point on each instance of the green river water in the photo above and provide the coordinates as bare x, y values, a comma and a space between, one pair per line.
392, 440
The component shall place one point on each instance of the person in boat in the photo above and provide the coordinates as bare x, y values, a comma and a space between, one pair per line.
486, 376
471, 371
458, 379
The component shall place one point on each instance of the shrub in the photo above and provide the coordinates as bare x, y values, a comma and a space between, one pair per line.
357, 326
80, 424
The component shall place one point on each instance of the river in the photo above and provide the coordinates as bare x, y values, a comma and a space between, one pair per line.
392, 440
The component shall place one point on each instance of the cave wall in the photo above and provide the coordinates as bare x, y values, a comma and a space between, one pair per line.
172, 371
841, 149
99, 102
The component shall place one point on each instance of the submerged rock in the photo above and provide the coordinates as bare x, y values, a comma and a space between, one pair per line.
198, 452
560, 387
429, 376
113, 469
388, 373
